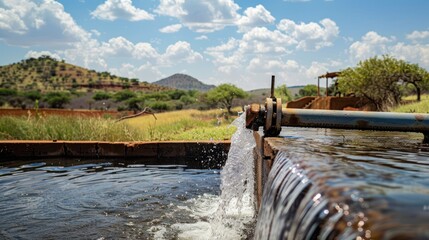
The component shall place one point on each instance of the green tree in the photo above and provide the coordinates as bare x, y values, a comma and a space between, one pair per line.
161, 106
186, 99
134, 104
98, 96
57, 99
224, 94
308, 90
124, 95
415, 75
33, 95
381, 80
283, 92
6, 92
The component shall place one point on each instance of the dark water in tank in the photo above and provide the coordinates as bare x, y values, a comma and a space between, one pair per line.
44, 200
334, 184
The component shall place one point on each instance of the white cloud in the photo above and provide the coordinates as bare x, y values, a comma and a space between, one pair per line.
319, 68
145, 51
36, 54
370, 45
202, 37
25, 23
310, 36
414, 53
180, 52
95, 32
418, 35
263, 40
201, 15
171, 28
226, 56
146, 72
146, 60
120, 9
11, 21
88, 53
255, 17
296, 0
260, 50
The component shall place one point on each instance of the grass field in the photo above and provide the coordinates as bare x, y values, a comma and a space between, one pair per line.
178, 125
414, 107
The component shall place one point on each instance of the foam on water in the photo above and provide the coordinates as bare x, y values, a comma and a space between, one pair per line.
230, 215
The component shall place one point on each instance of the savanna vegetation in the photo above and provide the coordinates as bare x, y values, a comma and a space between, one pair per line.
384, 81
413, 106
175, 125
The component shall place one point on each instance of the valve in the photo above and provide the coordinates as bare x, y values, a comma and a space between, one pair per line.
268, 116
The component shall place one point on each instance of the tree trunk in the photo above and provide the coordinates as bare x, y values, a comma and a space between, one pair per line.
418, 91
229, 109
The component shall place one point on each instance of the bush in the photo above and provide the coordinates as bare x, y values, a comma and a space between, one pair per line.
124, 95
163, 106
57, 99
33, 95
98, 96
134, 104
5, 92
176, 94
187, 99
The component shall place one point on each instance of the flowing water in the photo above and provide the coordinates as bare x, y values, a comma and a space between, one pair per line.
333, 184
69, 199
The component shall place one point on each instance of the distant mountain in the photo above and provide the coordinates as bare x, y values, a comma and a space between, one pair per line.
184, 82
48, 74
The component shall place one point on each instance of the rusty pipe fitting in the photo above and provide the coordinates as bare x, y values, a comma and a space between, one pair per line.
268, 116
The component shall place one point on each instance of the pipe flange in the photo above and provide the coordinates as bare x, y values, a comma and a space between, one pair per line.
278, 114
269, 115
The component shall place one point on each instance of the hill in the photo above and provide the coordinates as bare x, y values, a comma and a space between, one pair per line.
47, 74
263, 93
184, 82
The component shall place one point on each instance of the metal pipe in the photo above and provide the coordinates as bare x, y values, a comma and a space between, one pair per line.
273, 82
381, 121
270, 117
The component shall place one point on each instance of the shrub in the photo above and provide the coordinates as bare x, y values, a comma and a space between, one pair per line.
33, 95
124, 95
98, 96
57, 99
163, 106
5, 92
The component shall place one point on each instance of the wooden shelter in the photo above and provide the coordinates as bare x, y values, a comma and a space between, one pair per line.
328, 75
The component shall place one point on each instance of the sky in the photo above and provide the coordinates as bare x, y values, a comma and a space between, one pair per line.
242, 42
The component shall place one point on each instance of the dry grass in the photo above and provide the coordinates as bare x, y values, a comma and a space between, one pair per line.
178, 125
183, 125
414, 107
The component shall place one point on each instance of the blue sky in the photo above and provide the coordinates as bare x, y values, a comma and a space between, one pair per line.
242, 42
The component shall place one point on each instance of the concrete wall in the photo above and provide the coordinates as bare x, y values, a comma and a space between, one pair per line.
205, 154
299, 103
340, 103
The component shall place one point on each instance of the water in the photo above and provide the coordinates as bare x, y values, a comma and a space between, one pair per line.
117, 200
333, 184
101, 200
326, 184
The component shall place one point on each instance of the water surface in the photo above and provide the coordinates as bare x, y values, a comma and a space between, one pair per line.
101, 200
335, 184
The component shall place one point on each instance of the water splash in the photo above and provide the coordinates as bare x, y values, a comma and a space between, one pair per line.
237, 176
230, 215
237, 179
